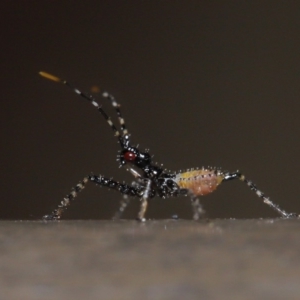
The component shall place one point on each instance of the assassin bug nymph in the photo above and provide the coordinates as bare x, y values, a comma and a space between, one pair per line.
151, 180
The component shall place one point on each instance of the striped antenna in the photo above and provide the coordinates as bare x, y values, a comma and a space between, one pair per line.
117, 106
92, 100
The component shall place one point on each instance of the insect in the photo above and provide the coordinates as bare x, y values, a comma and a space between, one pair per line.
149, 179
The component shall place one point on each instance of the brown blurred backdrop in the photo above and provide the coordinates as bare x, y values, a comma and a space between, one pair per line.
200, 83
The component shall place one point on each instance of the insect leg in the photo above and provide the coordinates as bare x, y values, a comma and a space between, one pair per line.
198, 211
125, 202
56, 213
139, 183
260, 194
144, 200
99, 180
123, 205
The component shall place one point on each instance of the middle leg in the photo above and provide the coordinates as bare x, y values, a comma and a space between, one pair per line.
144, 200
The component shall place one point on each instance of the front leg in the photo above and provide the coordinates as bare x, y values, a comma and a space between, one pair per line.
99, 180
57, 213
125, 202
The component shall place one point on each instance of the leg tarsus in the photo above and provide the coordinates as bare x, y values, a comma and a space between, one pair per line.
292, 216
50, 218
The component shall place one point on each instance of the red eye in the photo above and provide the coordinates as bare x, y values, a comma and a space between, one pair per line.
129, 156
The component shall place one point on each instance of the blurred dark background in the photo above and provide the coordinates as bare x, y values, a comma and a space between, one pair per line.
200, 82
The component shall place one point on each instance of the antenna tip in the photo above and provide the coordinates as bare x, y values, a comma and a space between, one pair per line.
95, 89
49, 76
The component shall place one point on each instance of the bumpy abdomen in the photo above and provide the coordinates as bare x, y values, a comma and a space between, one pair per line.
199, 182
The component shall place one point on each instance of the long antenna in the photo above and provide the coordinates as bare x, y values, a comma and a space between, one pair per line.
90, 98
117, 106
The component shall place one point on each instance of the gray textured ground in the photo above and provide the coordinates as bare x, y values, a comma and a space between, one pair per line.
167, 259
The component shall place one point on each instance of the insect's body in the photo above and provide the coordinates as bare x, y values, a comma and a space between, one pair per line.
200, 182
151, 180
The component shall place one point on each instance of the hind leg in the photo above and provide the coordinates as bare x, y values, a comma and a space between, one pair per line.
260, 194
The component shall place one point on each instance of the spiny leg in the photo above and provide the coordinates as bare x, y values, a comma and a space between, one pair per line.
198, 211
99, 180
117, 106
260, 194
57, 213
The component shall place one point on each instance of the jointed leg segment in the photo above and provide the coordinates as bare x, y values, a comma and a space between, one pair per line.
144, 201
123, 204
260, 194
198, 211
121, 187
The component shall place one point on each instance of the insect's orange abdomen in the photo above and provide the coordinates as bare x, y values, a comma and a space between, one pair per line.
199, 182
